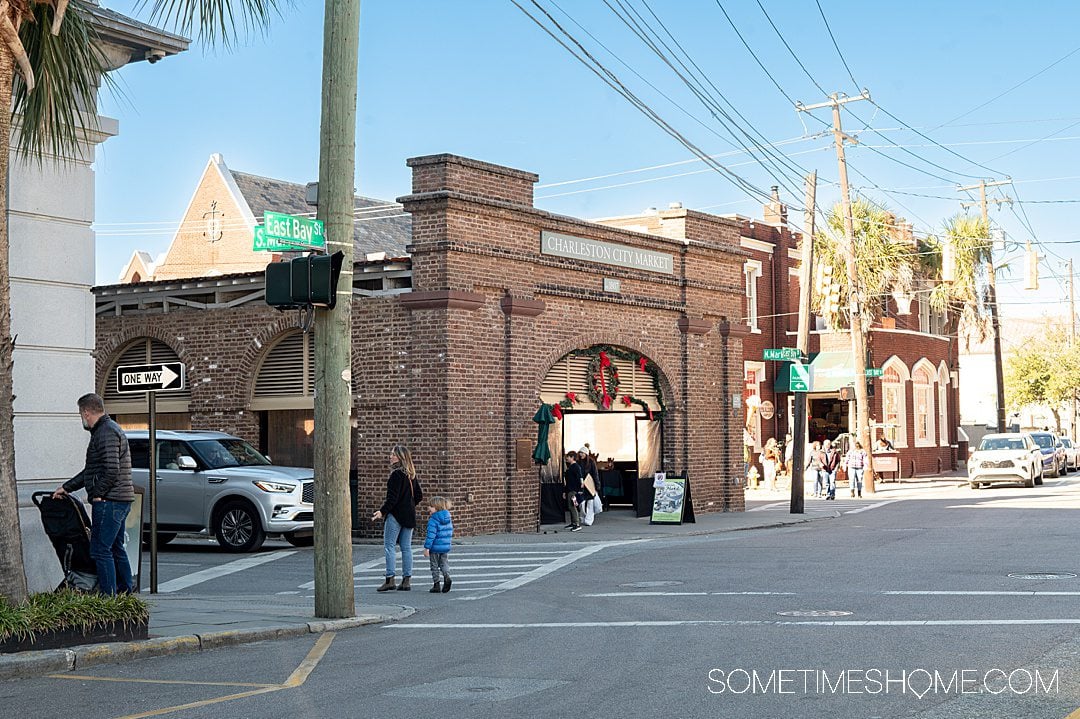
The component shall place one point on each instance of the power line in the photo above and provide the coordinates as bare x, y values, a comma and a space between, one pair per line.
835, 45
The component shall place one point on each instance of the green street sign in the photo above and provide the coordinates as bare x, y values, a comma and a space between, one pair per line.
783, 353
799, 379
271, 244
294, 232
875, 372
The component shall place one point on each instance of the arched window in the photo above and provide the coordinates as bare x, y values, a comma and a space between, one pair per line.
943, 404
922, 391
286, 376
894, 401
131, 410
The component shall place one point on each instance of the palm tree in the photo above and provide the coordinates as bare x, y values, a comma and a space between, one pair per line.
969, 243
50, 64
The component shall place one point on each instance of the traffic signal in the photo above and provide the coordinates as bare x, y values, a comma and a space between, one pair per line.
310, 280
1031, 268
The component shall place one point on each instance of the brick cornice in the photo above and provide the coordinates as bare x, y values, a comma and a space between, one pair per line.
694, 325
442, 300
733, 329
521, 306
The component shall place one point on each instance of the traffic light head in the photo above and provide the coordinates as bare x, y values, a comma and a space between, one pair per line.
310, 280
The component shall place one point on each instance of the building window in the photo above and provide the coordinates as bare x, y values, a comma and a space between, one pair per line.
922, 392
943, 405
752, 272
753, 377
924, 311
894, 402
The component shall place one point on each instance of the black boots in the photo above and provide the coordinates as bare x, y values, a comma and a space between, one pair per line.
435, 588
406, 584
387, 585
446, 585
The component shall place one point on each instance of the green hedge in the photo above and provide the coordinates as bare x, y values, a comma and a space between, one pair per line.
69, 609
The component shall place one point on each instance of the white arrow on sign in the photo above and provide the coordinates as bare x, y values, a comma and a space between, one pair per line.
167, 376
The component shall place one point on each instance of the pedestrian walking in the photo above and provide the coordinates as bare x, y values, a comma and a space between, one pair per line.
106, 477
440, 530
813, 465
572, 479
770, 462
403, 492
830, 462
856, 466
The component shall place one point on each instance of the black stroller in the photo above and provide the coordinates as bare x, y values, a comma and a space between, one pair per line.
68, 528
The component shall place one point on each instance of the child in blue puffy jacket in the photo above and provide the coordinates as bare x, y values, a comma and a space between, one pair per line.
440, 530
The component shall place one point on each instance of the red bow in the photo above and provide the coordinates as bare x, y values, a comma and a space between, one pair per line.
649, 410
642, 362
626, 400
557, 411
572, 397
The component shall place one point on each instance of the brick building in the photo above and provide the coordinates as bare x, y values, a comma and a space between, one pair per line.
915, 404
498, 308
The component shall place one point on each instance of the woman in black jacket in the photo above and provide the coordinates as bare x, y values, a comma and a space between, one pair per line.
403, 493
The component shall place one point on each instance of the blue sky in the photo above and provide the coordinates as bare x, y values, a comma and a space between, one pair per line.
478, 78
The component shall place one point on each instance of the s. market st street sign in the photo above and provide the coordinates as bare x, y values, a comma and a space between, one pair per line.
605, 253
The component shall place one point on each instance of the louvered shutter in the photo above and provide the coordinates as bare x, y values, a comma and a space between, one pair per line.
144, 351
286, 376
570, 374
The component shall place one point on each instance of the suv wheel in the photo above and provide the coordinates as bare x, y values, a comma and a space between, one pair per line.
238, 528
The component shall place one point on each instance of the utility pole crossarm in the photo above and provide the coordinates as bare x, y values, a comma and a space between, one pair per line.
835, 99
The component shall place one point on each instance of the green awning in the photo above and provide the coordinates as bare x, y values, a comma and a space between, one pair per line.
830, 372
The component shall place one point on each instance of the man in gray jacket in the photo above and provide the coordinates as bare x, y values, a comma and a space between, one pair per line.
107, 479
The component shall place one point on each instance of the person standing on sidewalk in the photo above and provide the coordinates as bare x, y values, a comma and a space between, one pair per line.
830, 461
813, 464
403, 493
440, 530
856, 465
572, 478
770, 462
107, 479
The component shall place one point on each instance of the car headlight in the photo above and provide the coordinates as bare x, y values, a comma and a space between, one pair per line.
274, 486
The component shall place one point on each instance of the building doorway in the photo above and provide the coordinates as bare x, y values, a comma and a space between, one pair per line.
829, 417
625, 445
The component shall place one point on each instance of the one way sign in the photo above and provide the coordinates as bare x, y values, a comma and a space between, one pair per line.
150, 377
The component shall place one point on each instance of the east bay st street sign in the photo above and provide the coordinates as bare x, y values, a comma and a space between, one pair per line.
164, 376
293, 232
607, 253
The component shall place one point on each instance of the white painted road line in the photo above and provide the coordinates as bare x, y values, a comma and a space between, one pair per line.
746, 623
690, 594
774, 505
358, 568
871, 506
544, 570
190, 580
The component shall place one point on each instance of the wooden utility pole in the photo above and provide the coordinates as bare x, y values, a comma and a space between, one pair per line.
991, 291
802, 343
1072, 338
855, 322
334, 593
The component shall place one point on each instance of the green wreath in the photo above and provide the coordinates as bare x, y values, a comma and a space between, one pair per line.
603, 381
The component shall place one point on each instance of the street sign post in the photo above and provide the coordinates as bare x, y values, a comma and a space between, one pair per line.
800, 379
151, 378
875, 372
295, 233
782, 353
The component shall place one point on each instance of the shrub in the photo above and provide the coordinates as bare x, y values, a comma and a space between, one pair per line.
68, 609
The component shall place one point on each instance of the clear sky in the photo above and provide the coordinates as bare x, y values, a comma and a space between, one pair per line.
478, 78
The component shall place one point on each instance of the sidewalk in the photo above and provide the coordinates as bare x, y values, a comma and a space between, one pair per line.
182, 623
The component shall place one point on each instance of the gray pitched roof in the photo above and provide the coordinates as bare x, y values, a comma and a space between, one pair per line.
390, 233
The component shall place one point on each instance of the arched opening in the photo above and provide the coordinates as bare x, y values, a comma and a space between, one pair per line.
608, 400
131, 410
284, 398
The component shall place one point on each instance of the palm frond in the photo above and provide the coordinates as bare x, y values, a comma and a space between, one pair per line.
58, 111
215, 21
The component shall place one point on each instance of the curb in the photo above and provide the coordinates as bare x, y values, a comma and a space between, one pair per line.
35, 663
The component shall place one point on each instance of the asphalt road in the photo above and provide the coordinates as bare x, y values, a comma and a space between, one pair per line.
941, 607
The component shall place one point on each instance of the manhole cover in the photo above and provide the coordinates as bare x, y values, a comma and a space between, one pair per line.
815, 613
648, 585
1044, 575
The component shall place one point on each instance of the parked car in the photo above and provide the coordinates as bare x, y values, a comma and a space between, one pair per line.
1006, 458
1072, 454
214, 483
1052, 451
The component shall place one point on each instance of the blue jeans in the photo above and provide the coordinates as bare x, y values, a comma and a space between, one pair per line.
394, 534
855, 475
107, 539
829, 480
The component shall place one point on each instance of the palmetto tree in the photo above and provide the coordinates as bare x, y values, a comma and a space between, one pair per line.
50, 65
970, 245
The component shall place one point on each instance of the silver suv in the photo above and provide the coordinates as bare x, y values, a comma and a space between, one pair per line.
215, 483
